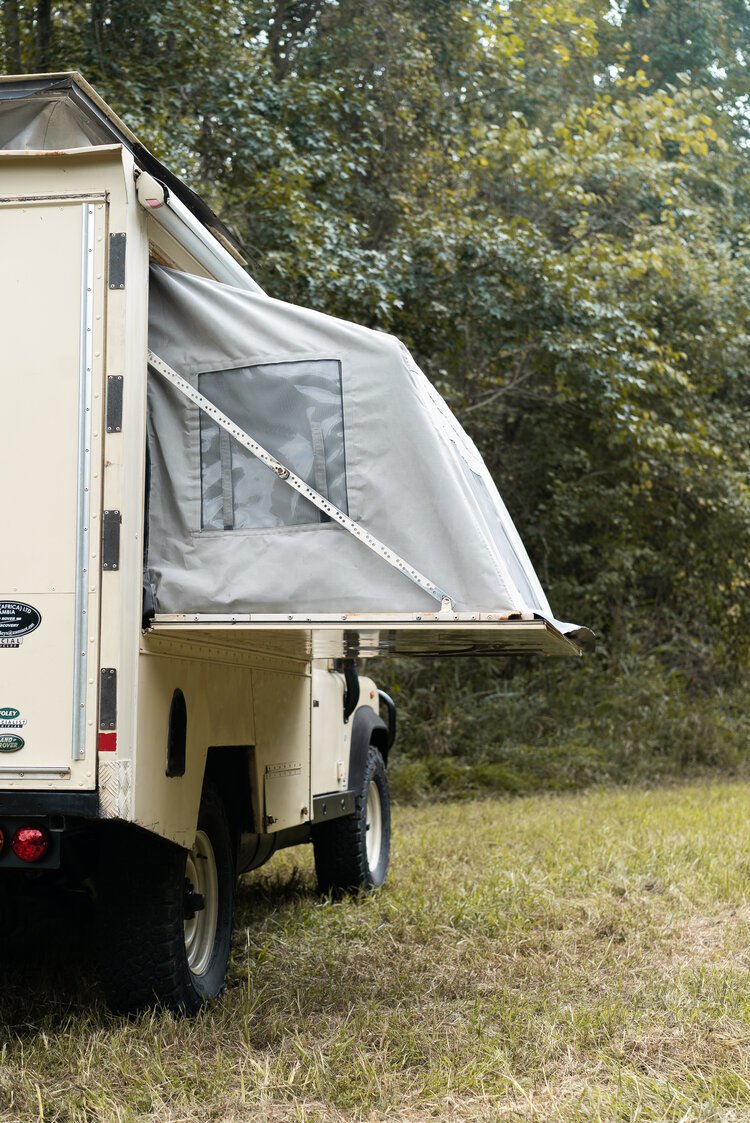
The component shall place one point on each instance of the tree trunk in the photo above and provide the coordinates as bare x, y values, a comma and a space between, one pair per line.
12, 34
43, 34
291, 20
96, 23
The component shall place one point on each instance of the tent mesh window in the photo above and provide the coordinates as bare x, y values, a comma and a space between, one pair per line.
295, 411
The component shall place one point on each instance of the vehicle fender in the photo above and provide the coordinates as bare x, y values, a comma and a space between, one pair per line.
368, 728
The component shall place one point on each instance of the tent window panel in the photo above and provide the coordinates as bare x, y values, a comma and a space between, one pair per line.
295, 411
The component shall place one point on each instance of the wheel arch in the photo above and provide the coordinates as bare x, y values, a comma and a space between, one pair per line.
228, 769
368, 728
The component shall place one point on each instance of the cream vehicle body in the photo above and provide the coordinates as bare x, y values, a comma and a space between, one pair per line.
209, 519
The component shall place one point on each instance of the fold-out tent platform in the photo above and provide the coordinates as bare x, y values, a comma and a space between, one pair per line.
335, 637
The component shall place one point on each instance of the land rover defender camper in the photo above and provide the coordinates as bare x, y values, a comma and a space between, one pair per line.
215, 504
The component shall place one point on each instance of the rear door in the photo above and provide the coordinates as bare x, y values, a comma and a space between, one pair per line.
52, 297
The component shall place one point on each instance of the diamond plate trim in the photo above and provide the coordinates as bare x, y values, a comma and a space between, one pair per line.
125, 792
109, 785
115, 788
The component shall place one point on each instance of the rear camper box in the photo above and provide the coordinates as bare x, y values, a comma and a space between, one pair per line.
216, 505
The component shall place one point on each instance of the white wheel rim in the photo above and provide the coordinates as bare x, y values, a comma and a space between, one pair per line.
374, 826
200, 931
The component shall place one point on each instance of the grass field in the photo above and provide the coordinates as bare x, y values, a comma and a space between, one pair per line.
579, 957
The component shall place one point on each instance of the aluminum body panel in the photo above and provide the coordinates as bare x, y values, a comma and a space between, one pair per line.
219, 701
330, 738
282, 720
51, 434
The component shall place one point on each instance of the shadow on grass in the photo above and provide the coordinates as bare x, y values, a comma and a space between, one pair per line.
263, 896
48, 947
47, 965
301, 958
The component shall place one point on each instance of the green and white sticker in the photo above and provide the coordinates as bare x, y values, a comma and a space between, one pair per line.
10, 718
10, 743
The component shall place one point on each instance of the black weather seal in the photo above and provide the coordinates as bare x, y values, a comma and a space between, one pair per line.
351, 695
390, 706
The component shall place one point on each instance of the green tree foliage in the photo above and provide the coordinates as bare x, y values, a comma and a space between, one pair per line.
546, 200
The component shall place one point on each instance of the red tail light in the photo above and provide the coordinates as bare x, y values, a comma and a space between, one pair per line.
30, 843
2, 841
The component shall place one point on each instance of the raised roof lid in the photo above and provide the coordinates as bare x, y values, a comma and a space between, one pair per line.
51, 112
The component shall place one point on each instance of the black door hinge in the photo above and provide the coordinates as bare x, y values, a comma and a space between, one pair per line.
115, 384
111, 522
107, 699
117, 243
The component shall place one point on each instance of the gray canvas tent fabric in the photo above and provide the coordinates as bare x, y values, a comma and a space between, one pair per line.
347, 409
47, 123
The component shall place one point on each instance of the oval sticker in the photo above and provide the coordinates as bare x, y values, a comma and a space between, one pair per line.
10, 743
8, 713
17, 619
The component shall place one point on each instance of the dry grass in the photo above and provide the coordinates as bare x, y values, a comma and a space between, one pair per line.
556, 958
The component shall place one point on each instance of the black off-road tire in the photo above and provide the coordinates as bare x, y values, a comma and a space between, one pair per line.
343, 860
145, 930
